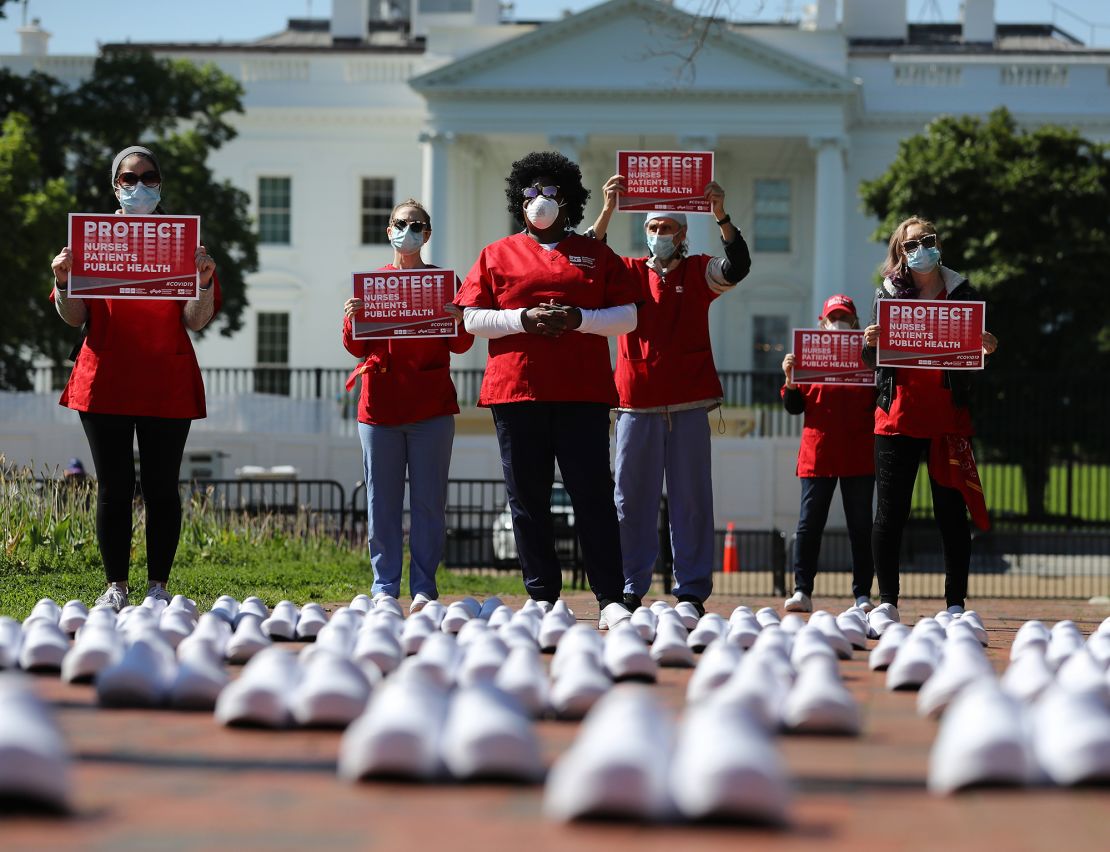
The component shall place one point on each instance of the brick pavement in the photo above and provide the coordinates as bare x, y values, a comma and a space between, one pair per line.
172, 780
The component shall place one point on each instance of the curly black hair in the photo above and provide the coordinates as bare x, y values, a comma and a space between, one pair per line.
558, 168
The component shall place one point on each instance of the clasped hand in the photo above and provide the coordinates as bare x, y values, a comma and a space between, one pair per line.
551, 319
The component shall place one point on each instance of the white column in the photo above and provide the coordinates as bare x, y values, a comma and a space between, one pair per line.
703, 235
568, 144
830, 255
436, 155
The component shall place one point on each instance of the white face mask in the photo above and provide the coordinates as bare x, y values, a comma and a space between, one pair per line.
838, 325
406, 241
542, 212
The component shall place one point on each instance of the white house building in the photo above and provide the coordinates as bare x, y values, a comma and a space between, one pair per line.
434, 99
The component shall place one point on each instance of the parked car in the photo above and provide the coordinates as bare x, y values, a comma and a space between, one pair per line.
562, 515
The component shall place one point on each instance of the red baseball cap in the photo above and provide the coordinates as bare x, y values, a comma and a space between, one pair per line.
839, 302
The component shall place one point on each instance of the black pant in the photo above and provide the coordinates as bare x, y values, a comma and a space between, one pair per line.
897, 458
161, 445
856, 493
532, 437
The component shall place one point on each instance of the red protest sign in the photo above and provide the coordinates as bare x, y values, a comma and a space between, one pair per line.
665, 180
404, 303
133, 257
830, 357
935, 334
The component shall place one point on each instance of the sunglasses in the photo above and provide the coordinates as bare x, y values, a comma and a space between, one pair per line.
928, 241
537, 190
415, 227
150, 178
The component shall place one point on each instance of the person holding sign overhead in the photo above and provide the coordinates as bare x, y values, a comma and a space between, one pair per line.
547, 299
922, 414
668, 383
406, 422
135, 373
838, 445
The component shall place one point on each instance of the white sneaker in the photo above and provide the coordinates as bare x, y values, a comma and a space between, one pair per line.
612, 615
880, 618
864, 603
488, 736
419, 601
158, 593
113, 596
798, 602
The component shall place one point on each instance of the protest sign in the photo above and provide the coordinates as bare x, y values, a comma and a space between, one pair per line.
830, 357
133, 257
934, 334
665, 180
398, 303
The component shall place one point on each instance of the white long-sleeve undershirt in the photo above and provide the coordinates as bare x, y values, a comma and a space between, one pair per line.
492, 323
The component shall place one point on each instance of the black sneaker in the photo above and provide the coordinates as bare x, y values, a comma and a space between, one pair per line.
632, 602
690, 599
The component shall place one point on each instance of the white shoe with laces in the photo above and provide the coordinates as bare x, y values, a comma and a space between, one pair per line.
113, 596
157, 592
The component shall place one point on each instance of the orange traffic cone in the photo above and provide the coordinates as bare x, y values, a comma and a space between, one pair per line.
731, 562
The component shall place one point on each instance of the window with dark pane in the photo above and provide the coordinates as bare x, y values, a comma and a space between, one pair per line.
272, 354
274, 214
377, 204
769, 348
771, 231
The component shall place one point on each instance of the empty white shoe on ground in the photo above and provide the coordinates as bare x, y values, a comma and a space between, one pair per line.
388, 603
142, 677
500, 616
612, 615
34, 762
522, 677
312, 620
471, 632
669, 648
982, 740
248, 638
1081, 672
97, 648
1065, 639
826, 623
399, 734
1071, 737
488, 735
417, 629
726, 767
1027, 677
483, 659
200, 678
880, 618
362, 602
756, 688
619, 765
11, 638
579, 639
260, 696
962, 663
915, 662
379, 646
282, 622
72, 616
743, 629
882, 655
553, 626
252, 605
626, 657
644, 620
210, 629
792, 623
853, 625
710, 628
44, 646
581, 684
819, 703
766, 616
331, 693
439, 658
810, 642
175, 625
688, 613
971, 618
717, 664
457, 615
226, 608
798, 602
46, 608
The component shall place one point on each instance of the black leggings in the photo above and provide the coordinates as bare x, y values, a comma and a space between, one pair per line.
897, 458
161, 445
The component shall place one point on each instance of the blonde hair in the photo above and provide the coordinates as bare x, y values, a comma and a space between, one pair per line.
412, 202
895, 266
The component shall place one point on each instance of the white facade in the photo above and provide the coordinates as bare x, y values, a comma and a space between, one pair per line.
817, 106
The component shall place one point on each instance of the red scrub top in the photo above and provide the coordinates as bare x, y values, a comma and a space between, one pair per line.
838, 432
138, 360
515, 273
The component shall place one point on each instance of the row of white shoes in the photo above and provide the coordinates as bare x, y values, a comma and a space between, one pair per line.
629, 762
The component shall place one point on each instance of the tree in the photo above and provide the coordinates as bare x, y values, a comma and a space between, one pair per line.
178, 109
1025, 214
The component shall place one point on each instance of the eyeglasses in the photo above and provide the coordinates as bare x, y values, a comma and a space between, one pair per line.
150, 178
537, 190
928, 241
415, 227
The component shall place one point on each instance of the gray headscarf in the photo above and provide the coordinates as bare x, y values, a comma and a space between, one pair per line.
127, 152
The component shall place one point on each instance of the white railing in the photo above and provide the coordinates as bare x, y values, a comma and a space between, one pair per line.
377, 70
928, 75
1051, 76
274, 70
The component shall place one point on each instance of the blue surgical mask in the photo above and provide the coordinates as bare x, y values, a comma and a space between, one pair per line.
140, 199
923, 259
661, 246
406, 241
